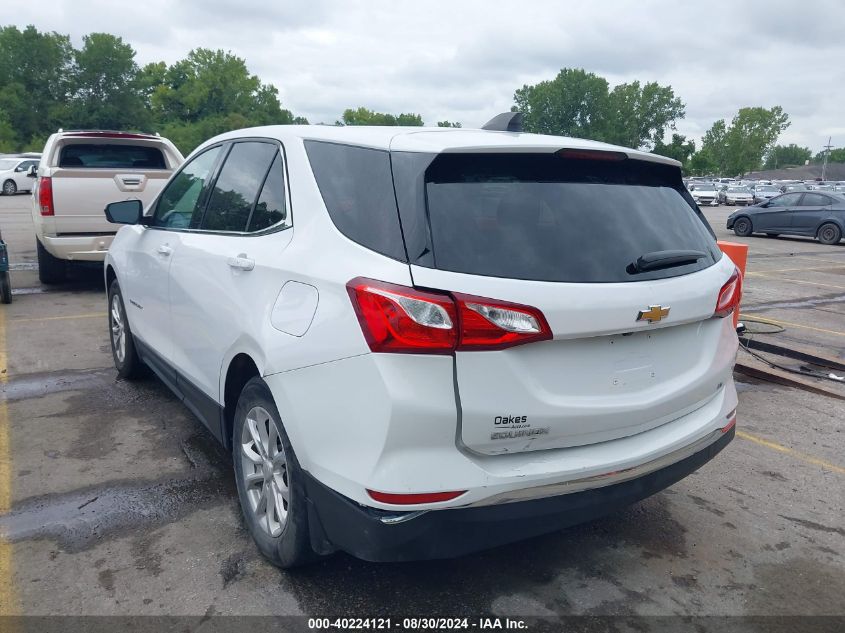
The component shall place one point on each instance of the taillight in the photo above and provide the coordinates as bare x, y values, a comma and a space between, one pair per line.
729, 295
396, 318
45, 195
399, 319
414, 498
487, 324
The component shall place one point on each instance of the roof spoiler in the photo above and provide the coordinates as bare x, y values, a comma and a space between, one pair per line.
505, 122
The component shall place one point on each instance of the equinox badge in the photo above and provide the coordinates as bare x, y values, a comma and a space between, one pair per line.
653, 314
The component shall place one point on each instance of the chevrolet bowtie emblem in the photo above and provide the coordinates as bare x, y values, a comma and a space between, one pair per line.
653, 314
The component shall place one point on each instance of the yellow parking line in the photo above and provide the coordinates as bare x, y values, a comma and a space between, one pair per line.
787, 323
8, 597
90, 315
798, 281
788, 451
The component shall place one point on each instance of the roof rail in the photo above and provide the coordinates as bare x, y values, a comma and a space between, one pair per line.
505, 122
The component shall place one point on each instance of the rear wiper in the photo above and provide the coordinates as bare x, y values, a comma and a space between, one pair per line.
663, 259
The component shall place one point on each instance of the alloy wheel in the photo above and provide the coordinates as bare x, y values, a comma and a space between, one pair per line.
265, 472
118, 328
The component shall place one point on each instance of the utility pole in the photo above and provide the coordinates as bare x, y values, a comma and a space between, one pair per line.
826, 154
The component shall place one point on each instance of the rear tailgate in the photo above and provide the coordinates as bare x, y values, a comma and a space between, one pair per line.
564, 235
92, 172
604, 375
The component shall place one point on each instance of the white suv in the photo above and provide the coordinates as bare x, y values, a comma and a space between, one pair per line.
419, 343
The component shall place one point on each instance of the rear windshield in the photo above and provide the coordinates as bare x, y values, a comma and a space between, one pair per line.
547, 218
111, 156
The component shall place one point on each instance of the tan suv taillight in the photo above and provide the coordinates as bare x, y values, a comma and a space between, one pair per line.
45, 195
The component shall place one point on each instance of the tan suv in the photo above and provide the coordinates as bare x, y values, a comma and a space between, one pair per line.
81, 172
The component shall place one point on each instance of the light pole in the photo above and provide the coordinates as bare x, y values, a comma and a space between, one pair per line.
826, 154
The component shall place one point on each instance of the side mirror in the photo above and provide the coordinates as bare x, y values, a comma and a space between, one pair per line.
124, 212
32, 172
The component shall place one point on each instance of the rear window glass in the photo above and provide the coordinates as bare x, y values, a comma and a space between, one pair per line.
111, 156
546, 218
357, 188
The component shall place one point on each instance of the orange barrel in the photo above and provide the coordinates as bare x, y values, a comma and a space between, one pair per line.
739, 256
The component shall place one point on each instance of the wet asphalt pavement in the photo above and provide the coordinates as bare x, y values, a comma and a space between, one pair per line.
120, 503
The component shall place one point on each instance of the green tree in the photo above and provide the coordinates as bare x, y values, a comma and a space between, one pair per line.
680, 149
836, 156
208, 93
34, 73
787, 156
752, 134
736, 149
713, 156
581, 104
105, 88
638, 116
448, 124
572, 104
8, 139
363, 116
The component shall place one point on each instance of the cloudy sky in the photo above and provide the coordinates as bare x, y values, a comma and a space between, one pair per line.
462, 59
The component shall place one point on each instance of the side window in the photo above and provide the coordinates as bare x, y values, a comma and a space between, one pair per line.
787, 200
237, 187
179, 207
815, 200
270, 208
357, 188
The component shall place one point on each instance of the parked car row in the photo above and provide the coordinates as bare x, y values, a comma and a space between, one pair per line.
741, 192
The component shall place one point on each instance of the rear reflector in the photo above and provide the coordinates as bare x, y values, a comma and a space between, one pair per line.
45, 196
731, 421
414, 499
729, 295
399, 319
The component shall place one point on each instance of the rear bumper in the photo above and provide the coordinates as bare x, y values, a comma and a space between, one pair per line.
337, 523
88, 248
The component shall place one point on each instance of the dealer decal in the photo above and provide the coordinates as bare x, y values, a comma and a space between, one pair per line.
515, 433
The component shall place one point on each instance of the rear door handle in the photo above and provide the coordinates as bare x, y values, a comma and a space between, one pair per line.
164, 249
241, 262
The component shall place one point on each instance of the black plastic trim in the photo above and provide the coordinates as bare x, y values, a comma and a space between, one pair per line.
340, 523
204, 407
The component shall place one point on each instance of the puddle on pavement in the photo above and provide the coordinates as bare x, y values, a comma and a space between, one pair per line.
80, 519
38, 385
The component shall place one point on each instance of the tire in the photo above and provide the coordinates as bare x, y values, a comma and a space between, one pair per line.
743, 226
261, 450
829, 234
51, 270
5, 288
10, 188
126, 360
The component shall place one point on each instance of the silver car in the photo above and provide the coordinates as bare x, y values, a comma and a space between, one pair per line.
738, 195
